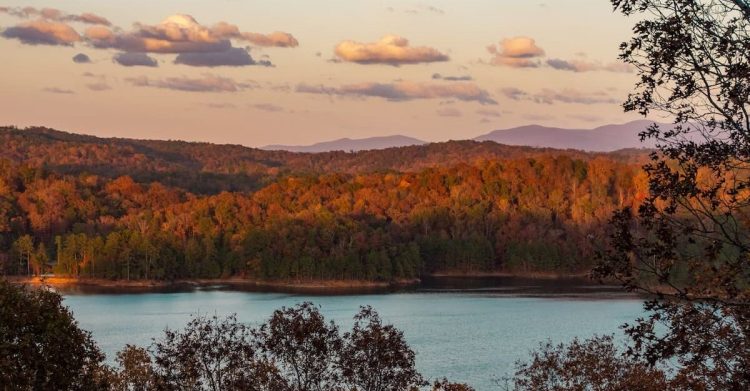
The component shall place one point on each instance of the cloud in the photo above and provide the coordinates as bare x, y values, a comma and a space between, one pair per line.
437, 76
489, 113
221, 105
274, 86
404, 91
513, 93
275, 39
419, 9
145, 42
449, 112
55, 15
586, 117
567, 95
539, 117
98, 86
43, 32
135, 60
517, 52
181, 34
579, 65
270, 107
90, 18
57, 90
234, 57
81, 58
99, 82
432, 9
207, 83
389, 50
318, 89
523, 52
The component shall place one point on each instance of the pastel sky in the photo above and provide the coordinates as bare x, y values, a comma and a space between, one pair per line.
300, 71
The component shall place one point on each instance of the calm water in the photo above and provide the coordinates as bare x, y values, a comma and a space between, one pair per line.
466, 336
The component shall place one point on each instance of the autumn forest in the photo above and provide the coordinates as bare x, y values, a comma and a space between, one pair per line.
164, 210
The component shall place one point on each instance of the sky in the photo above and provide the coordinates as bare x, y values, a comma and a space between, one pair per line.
299, 71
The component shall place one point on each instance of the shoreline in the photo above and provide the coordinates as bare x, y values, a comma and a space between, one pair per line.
63, 281
488, 283
524, 275
306, 286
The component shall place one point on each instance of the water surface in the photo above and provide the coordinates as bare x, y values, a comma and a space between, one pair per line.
472, 336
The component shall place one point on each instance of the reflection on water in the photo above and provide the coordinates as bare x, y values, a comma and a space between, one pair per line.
510, 285
474, 335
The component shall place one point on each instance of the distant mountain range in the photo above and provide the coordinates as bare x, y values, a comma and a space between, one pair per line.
347, 144
204, 168
605, 138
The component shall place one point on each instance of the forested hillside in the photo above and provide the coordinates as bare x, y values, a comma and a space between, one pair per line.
116, 208
204, 168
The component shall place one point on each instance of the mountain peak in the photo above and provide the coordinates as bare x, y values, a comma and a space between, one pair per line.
348, 144
605, 138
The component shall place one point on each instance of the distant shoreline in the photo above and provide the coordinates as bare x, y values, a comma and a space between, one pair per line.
102, 285
238, 283
529, 275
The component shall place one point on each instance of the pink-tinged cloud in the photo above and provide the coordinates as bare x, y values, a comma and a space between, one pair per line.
449, 112
567, 95
176, 34
98, 86
437, 76
517, 52
99, 33
270, 107
404, 91
90, 18
181, 34
580, 65
216, 105
206, 83
276, 39
43, 32
513, 93
55, 15
489, 113
389, 50
58, 90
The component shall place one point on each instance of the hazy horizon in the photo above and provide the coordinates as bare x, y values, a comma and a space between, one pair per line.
257, 74
514, 138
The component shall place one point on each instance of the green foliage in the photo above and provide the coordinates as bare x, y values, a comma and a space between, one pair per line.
590, 365
41, 345
375, 357
295, 350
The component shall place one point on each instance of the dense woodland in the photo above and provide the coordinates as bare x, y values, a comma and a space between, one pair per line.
127, 209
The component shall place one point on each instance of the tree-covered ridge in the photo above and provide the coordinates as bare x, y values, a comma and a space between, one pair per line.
204, 168
519, 215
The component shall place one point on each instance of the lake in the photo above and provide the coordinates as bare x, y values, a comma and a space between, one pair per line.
467, 331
